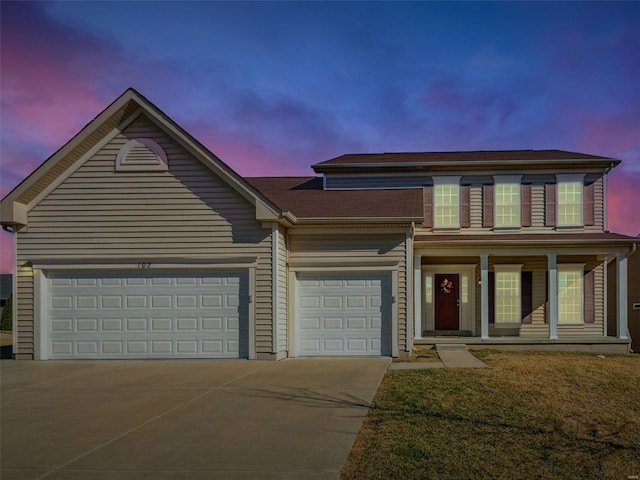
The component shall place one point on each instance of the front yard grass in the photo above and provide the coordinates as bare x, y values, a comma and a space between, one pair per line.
531, 415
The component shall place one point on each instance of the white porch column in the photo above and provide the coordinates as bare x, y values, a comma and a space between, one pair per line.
484, 296
621, 304
417, 296
553, 296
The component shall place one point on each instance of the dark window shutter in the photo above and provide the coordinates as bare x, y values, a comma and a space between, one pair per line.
589, 204
465, 206
427, 196
527, 297
492, 298
525, 204
550, 204
487, 205
589, 297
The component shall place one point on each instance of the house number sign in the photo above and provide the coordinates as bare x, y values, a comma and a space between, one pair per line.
144, 265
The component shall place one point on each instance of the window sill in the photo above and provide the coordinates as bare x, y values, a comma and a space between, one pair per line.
514, 229
565, 228
446, 229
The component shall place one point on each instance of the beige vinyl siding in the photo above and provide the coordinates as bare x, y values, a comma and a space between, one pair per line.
353, 248
187, 212
25, 312
598, 205
356, 181
476, 207
537, 207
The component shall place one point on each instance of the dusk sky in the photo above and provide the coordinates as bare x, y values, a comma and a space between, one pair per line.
272, 88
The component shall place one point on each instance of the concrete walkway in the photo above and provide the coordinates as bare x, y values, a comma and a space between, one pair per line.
190, 419
457, 356
451, 356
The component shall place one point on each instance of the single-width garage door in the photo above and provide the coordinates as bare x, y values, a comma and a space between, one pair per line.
344, 314
147, 315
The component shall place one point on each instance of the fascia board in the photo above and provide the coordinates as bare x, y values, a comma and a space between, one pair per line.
86, 131
609, 162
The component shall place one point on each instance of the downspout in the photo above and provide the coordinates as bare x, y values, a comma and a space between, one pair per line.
409, 287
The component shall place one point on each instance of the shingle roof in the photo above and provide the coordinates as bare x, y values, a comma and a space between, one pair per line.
470, 156
305, 198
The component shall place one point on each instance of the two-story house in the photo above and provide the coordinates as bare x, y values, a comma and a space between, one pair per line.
135, 241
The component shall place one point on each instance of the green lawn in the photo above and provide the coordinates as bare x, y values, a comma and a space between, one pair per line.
531, 416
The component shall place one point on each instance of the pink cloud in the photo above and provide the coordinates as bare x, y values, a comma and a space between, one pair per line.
624, 202
44, 87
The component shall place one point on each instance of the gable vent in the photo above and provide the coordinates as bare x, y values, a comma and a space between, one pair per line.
141, 155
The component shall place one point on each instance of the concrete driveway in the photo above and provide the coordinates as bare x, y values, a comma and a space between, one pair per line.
188, 419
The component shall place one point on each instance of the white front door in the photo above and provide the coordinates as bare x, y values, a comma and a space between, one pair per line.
146, 315
343, 314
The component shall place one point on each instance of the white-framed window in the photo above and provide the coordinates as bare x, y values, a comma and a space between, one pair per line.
446, 202
508, 293
569, 199
464, 289
428, 289
570, 294
506, 200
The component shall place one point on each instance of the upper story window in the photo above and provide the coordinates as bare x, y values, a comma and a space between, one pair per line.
569, 201
507, 201
446, 202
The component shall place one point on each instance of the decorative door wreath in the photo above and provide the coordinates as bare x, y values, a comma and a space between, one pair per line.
446, 286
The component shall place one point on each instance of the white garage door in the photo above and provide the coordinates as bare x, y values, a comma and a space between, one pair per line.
147, 315
346, 314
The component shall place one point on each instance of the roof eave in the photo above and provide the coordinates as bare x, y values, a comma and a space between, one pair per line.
348, 220
600, 162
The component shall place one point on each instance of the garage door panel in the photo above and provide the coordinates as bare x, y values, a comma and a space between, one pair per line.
146, 315
342, 314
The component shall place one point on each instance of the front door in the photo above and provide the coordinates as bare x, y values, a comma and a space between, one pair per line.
447, 287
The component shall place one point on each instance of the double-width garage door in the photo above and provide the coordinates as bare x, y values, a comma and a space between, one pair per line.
344, 314
147, 315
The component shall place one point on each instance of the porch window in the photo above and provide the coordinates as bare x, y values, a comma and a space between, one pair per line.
507, 201
508, 291
446, 202
569, 200
428, 289
464, 290
570, 294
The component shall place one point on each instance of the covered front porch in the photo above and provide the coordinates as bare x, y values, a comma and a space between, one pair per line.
518, 294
